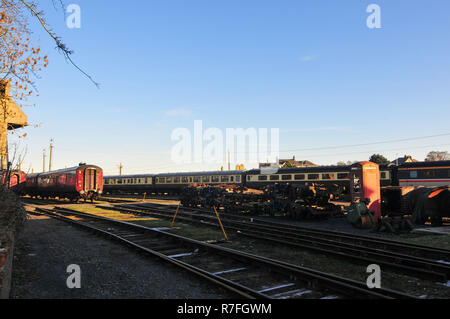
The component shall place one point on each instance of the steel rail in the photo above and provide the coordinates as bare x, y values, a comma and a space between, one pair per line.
299, 278
409, 264
412, 249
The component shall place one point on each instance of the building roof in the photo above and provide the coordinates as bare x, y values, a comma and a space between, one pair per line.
16, 118
292, 162
405, 159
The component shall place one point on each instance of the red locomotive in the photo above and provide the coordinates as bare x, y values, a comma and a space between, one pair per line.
80, 182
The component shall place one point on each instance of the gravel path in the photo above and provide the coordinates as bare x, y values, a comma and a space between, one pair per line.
46, 247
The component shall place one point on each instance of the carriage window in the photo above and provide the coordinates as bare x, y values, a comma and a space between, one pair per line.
383, 175
262, 178
215, 179
413, 174
343, 176
176, 179
328, 176
196, 179
225, 179
119, 181
169, 180
274, 177
184, 179
430, 174
287, 177
356, 185
206, 179
162, 180
249, 178
232, 179
313, 176
300, 177
238, 179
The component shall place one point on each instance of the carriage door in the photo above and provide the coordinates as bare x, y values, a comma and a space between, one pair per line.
90, 177
14, 180
356, 188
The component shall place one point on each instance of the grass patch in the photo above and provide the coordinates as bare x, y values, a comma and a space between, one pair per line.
113, 214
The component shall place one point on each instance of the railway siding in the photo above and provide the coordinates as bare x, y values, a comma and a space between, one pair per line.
280, 275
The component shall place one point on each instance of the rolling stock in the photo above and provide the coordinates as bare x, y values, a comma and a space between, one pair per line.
80, 182
429, 174
15, 182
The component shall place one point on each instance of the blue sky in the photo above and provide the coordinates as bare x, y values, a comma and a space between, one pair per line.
311, 68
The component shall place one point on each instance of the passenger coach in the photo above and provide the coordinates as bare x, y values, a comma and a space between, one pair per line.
16, 182
169, 183
129, 184
429, 174
177, 181
80, 182
409, 174
326, 175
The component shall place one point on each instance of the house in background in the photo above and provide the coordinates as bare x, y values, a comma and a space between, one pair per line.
403, 160
283, 163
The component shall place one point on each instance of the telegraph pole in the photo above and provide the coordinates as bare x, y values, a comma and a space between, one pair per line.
43, 160
51, 156
120, 166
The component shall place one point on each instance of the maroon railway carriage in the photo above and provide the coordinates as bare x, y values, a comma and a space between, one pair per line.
17, 180
80, 182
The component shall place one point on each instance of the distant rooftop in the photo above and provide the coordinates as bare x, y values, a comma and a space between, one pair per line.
286, 163
404, 159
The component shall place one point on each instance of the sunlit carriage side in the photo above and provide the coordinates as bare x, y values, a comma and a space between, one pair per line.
129, 184
15, 182
176, 182
80, 182
429, 174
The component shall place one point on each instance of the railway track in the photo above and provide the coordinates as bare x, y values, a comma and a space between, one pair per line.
415, 260
245, 274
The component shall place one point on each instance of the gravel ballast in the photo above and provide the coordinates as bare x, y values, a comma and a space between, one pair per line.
46, 247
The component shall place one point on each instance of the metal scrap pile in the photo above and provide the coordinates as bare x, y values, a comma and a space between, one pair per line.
295, 201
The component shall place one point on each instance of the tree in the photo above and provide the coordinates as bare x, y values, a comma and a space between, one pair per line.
379, 159
21, 60
434, 156
341, 163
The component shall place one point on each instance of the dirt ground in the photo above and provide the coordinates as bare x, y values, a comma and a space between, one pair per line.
46, 247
